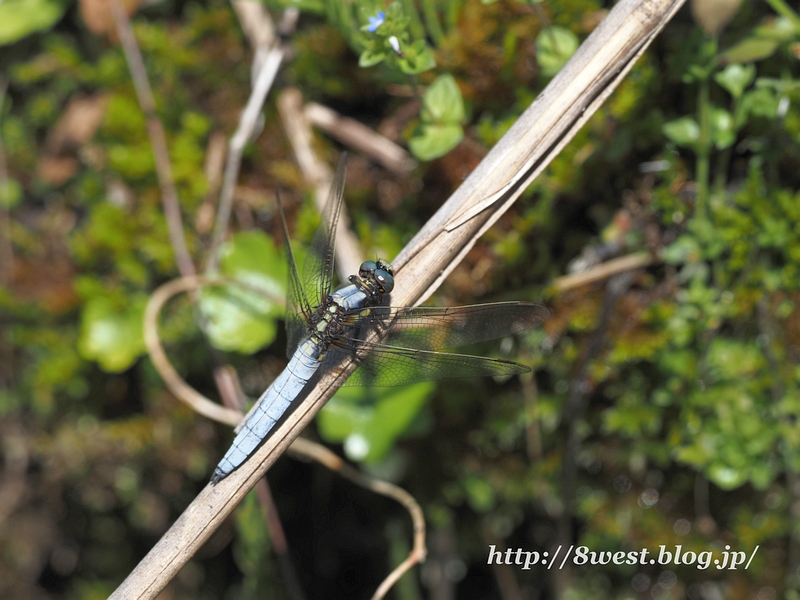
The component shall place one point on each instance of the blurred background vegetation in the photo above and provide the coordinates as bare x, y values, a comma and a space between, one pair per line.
664, 406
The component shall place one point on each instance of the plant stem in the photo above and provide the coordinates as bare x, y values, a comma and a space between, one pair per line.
432, 21
451, 13
415, 23
703, 151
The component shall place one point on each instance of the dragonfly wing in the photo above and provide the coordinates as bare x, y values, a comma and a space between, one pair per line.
318, 266
434, 328
298, 308
386, 366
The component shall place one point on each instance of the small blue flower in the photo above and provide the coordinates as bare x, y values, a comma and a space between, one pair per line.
376, 21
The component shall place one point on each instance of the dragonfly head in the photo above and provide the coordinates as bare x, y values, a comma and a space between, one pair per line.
379, 273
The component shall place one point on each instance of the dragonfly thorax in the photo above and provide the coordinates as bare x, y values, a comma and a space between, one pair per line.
335, 315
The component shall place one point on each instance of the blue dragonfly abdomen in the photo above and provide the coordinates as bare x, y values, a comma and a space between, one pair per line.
332, 315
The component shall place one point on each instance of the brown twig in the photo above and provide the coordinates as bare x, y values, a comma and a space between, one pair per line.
574, 408
505, 574
182, 390
266, 62
319, 175
278, 538
533, 434
601, 272
158, 139
204, 406
360, 137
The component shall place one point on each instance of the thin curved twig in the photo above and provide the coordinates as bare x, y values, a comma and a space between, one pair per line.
182, 390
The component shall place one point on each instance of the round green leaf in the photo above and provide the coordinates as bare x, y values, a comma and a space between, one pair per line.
417, 58
726, 477
442, 101
554, 47
371, 56
10, 193
722, 131
684, 131
761, 102
241, 317
19, 18
431, 141
369, 420
750, 50
111, 334
735, 78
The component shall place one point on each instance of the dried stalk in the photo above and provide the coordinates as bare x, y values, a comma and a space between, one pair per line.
266, 62
158, 139
361, 138
317, 173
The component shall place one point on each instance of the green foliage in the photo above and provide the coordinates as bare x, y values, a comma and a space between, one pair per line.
111, 331
554, 47
19, 18
439, 130
252, 551
369, 420
241, 315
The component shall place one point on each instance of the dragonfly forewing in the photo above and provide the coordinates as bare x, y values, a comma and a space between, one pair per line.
317, 275
389, 366
437, 328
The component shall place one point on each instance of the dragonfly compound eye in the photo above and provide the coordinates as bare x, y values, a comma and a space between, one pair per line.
367, 267
385, 280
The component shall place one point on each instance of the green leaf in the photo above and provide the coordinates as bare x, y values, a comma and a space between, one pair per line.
480, 494
735, 78
731, 360
722, 131
430, 141
684, 249
418, 58
369, 429
726, 477
761, 102
442, 101
19, 18
749, 50
371, 56
684, 131
241, 317
554, 47
111, 332
10, 193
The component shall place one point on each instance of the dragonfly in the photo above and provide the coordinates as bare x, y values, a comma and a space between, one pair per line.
391, 345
